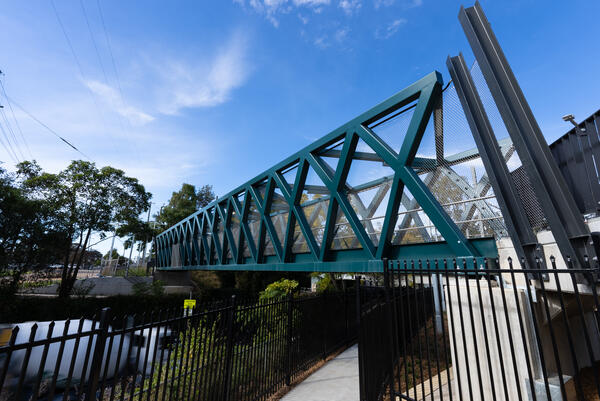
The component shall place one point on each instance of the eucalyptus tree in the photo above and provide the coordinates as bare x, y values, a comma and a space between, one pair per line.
183, 203
86, 200
29, 239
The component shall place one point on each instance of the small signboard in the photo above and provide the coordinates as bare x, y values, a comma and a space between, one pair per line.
189, 303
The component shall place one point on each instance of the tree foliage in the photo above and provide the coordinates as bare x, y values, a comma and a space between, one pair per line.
84, 200
278, 289
183, 203
29, 235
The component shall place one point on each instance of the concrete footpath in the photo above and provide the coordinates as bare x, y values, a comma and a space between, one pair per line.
337, 380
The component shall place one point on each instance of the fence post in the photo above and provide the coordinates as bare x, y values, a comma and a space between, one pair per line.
391, 321
361, 368
229, 349
346, 335
96, 365
324, 332
288, 349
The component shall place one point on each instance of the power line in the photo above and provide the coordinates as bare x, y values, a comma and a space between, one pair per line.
7, 146
112, 57
64, 31
114, 66
12, 133
50, 129
70, 44
15, 118
87, 21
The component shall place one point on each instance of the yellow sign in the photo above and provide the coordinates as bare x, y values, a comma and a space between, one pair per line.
5, 335
189, 303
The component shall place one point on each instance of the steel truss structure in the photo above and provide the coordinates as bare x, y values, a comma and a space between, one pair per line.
279, 221
424, 207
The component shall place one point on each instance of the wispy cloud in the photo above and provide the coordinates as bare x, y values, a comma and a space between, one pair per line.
390, 29
350, 7
406, 4
110, 97
192, 84
337, 38
303, 19
341, 34
383, 3
322, 42
272, 8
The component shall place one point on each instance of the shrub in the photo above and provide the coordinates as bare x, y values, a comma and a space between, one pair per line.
156, 288
82, 289
278, 289
133, 272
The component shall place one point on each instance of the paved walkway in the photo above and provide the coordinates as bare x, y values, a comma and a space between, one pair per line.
337, 380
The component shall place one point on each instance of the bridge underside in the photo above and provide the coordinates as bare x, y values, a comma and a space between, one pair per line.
395, 182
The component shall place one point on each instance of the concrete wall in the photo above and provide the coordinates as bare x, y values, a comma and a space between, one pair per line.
107, 286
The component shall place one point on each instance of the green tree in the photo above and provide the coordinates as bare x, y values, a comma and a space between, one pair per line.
29, 236
183, 203
86, 200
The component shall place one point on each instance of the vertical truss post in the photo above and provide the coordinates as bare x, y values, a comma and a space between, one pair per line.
518, 227
571, 234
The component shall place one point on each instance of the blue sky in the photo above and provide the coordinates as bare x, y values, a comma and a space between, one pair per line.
214, 92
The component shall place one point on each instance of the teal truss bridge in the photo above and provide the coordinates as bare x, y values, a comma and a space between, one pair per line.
379, 186
433, 172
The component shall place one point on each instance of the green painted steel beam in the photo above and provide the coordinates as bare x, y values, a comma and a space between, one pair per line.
348, 262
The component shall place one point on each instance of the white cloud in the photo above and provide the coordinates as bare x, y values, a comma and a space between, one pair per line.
111, 98
390, 30
322, 42
204, 85
272, 8
341, 34
388, 3
311, 3
303, 19
350, 6
338, 37
383, 3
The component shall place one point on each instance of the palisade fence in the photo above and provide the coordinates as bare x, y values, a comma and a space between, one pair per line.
455, 330
223, 351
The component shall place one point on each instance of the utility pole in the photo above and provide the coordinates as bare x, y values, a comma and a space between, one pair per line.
145, 239
112, 244
128, 260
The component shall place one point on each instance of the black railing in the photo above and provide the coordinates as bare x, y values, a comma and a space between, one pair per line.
224, 351
451, 330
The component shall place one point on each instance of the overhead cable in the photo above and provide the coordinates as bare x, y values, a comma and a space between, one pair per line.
15, 119
50, 129
79, 66
87, 21
7, 146
12, 134
116, 72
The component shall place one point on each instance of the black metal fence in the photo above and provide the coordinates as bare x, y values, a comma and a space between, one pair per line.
452, 330
224, 351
